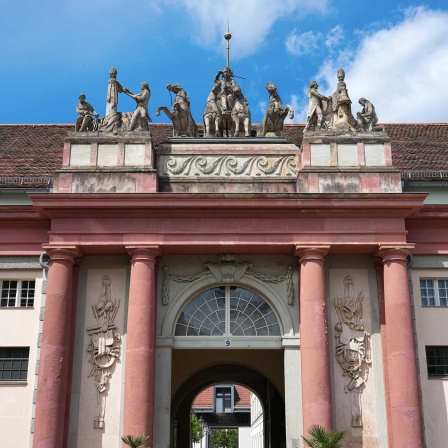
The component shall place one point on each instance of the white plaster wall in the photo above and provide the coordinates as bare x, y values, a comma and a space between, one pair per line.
244, 437
431, 328
368, 435
19, 327
256, 420
88, 436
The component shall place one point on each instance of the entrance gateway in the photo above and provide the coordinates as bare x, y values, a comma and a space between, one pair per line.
233, 332
187, 263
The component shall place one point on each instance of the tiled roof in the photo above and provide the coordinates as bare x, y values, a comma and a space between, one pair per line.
205, 398
30, 154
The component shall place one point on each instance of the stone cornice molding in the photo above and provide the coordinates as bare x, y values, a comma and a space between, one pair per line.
396, 253
144, 254
71, 254
311, 252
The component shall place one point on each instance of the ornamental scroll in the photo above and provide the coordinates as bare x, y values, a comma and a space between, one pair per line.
103, 348
352, 346
228, 270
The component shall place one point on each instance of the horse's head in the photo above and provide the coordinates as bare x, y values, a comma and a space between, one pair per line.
270, 87
175, 88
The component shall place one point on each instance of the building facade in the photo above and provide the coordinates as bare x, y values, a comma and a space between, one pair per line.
138, 269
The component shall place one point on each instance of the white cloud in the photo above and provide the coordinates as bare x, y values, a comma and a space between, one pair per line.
335, 36
250, 20
300, 44
402, 70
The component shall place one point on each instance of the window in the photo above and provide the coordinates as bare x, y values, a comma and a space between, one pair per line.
437, 361
434, 292
223, 398
227, 311
17, 293
14, 363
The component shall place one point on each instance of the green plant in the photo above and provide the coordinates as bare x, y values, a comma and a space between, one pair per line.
319, 437
224, 438
135, 442
197, 431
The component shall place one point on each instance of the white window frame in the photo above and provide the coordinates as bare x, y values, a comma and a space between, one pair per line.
435, 281
18, 297
232, 397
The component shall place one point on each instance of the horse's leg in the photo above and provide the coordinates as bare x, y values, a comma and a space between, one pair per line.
246, 127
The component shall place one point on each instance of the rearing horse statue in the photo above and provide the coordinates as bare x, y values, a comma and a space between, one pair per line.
275, 114
180, 114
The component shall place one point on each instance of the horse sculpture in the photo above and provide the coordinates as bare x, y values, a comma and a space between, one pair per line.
212, 114
180, 114
240, 114
275, 114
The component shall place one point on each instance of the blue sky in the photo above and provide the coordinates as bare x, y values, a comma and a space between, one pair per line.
394, 53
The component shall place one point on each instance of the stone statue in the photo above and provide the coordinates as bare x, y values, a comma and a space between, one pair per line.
315, 113
240, 115
212, 114
180, 114
229, 98
367, 118
140, 117
113, 89
85, 122
342, 118
272, 124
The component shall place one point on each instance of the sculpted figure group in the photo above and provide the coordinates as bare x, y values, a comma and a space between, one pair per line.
227, 112
334, 113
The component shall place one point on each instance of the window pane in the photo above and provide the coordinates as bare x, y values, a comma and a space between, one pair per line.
437, 361
14, 363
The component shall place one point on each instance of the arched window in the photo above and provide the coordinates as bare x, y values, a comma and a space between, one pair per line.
227, 311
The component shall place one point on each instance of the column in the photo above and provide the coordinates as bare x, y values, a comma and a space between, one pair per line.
405, 418
55, 350
293, 398
162, 395
314, 343
140, 344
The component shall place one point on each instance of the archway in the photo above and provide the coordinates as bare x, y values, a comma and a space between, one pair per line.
271, 398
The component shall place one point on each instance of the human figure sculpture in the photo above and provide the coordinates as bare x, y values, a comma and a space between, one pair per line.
229, 91
275, 114
212, 114
315, 112
180, 114
85, 122
342, 118
113, 89
367, 118
140, 117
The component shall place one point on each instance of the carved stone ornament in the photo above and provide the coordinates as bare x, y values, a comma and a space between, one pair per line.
227, 270
276, 112
230, 166
352, 346
104, 346
180, 114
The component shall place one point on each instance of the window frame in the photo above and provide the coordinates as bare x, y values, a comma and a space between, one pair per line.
18, 298
232, 398
13, 359
436, 365
436, 281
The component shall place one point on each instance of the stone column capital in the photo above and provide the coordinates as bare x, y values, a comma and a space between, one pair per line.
72, 254
143, 253
396, 253
311, 252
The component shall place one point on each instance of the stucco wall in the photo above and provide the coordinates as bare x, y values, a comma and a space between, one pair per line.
431, 328
19, 327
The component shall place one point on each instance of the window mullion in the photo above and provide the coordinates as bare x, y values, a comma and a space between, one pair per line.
18, 293
227, 314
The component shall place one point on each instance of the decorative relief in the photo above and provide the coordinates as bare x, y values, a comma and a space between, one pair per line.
227, 270
225, 166
103, 348
352, 346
